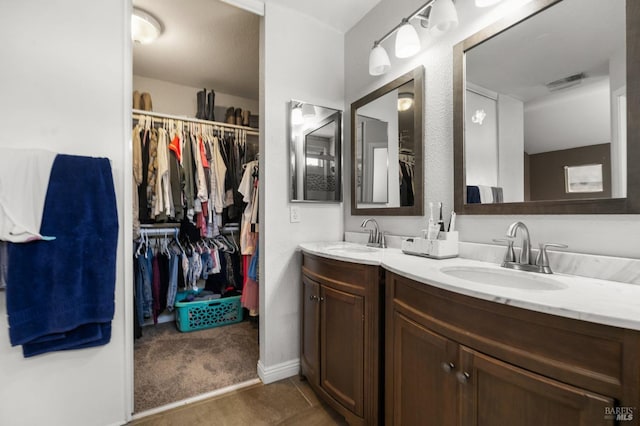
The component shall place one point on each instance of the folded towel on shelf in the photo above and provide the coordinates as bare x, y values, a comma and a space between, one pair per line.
473, 194
24, 179
486, 194
60, 293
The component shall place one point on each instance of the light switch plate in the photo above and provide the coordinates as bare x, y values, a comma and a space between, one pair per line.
294, 214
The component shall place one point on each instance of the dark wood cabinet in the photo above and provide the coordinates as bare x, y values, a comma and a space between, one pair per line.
341, 336
452, 359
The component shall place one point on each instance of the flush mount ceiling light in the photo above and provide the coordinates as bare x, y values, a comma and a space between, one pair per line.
486, 3
144, 27
443, 18
405, 101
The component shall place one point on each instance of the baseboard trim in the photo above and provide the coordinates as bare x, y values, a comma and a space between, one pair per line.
279, 371
197, 398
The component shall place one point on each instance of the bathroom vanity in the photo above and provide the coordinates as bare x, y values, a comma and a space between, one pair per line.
340, 352
552, 349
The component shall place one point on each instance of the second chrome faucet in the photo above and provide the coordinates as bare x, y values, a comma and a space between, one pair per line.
376, 236
524, 263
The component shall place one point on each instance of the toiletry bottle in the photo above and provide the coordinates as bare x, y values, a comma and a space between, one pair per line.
441, 221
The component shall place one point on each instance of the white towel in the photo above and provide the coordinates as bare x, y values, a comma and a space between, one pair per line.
24, 180
486, 194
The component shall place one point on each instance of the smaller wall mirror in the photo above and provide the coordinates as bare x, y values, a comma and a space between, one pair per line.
386, 149
315, 140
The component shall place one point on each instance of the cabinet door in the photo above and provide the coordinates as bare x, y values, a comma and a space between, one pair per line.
342, 347
495, 393
310, 329
424, 385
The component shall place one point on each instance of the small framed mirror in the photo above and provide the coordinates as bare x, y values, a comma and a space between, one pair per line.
315, 140
386, 149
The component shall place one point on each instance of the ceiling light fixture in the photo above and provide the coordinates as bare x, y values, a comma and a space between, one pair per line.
405, 101
144, 27
441, 16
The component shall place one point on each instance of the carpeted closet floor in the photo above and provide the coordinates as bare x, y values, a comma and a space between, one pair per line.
171, 366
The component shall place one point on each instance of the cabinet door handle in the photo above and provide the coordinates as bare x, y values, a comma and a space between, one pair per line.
447, 367
321, 299
312, 297
463, 377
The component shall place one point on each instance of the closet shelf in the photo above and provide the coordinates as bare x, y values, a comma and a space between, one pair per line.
250, 130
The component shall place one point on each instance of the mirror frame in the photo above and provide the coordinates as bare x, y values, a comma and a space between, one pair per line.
293, 166
417, 75
630, 204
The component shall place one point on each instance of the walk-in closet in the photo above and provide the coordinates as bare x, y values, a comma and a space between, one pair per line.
195, 191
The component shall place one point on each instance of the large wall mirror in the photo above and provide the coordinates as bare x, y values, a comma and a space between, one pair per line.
386, 149
543, 107
315, 140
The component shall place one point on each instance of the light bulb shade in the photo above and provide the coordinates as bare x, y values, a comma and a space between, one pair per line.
443, 16
296, 116
144, 27
407, 41
486, 3
378, 61
308, 111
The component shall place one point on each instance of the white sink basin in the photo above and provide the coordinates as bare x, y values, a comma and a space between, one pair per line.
504, 278
352, 249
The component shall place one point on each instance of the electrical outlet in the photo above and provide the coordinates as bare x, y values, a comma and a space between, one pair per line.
294, 214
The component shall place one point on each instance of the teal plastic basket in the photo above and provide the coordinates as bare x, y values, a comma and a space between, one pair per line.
191, 316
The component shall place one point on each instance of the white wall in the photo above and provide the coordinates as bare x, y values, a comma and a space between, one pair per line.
178, 99
570, 118
62, 83
385, 109
510, 153
602, 234
301, 59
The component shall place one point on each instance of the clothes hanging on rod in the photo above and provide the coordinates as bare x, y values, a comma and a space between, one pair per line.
406, 169
166, 267
186, 170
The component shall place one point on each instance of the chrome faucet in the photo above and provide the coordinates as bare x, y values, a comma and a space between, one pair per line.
376, 237
524, 263
525, 253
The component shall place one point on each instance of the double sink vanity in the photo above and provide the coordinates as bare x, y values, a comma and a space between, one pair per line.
389, 338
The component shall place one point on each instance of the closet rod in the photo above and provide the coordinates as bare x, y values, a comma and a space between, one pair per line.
249, 130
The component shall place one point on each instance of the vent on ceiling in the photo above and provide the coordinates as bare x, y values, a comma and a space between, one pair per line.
564, 83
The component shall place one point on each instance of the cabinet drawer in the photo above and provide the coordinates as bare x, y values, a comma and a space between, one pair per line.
576, 352
342, 275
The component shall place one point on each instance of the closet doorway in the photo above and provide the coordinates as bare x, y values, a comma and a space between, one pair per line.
195, 168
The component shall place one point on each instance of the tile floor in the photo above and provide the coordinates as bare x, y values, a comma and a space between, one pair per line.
287, 402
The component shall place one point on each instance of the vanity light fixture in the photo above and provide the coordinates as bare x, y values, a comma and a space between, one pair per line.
144, 27
407, 41
405, 101
378, 60
441, 16
296, 115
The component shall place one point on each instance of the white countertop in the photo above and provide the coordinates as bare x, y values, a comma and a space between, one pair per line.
588, 299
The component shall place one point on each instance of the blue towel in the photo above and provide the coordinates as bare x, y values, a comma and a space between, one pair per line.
60, 293
473, 194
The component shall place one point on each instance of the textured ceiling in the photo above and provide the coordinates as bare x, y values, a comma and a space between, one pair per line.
204, 43
211, 44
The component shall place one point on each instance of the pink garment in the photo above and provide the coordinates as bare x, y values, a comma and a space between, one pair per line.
250, 291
